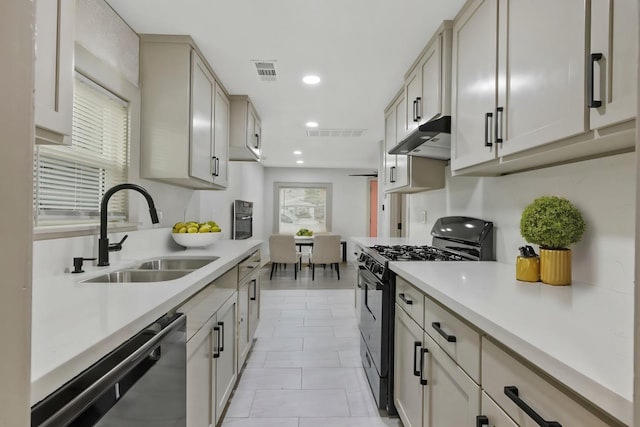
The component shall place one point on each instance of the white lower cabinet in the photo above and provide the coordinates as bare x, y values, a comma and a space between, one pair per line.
408, 390
226, 362
493, 415
200, 374
248, 304
243, 323
431, 390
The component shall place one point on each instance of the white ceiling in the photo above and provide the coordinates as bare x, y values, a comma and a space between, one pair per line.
361, 49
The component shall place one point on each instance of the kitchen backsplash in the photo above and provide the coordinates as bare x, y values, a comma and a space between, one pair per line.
603, 189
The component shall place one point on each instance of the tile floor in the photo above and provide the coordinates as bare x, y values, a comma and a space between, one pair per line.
304, 369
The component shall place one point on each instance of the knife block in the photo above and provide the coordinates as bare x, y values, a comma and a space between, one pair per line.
528, 269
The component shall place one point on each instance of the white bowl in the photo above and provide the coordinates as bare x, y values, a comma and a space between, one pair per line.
196, 240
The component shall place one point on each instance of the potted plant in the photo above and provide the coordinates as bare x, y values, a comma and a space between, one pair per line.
553, 223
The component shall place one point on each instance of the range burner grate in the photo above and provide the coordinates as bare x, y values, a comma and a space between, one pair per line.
415, 253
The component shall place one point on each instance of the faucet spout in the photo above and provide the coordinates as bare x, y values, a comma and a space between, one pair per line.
103, 242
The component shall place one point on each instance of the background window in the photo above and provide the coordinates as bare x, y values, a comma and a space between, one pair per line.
70, 181
302, 206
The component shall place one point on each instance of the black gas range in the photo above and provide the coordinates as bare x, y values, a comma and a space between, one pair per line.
454, 238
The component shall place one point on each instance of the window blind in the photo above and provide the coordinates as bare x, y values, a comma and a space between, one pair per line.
70, 181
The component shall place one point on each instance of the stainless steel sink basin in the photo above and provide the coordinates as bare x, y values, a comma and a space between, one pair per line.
176, 263
138, 276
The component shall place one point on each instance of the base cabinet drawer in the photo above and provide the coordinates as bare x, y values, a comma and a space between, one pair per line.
515, 387
493, 415
456, 337
410, 300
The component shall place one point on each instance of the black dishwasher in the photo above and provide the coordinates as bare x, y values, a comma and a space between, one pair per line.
140, 383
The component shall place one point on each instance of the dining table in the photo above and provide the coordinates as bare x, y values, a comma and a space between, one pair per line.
308, 241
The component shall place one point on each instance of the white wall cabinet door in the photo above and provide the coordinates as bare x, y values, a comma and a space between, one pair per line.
430, 103
226, 363
614, 42
453, 398
400, 173
390, 142
408, 350
541, 78
202, 161
474, 64
256, 136
55, 36
221, 124
413, 98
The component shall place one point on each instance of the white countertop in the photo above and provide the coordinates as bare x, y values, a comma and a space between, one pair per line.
582, 334
74, 324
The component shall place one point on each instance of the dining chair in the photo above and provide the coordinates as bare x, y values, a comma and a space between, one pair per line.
282, 250
326, 250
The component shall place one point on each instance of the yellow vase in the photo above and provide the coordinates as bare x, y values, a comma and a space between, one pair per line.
555, 266
528, 269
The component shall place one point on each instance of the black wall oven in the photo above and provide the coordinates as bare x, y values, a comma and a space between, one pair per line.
242, 220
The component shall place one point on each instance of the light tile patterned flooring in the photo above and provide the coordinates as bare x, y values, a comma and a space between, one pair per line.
304, 369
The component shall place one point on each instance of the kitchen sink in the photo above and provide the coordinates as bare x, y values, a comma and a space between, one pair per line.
138, 276
176, 263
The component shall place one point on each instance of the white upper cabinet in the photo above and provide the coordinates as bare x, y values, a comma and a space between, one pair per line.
475, 59
534, 95
612, 64
246, 130
55, 25
185, 115
428, 82
527, 96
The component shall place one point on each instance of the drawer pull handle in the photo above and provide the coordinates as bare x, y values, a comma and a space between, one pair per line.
423, 351
221, 345
449, 338
416, 346
511, 392
482, 420
216, 350
405, 299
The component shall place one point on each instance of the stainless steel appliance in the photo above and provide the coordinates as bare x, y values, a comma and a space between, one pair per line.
242, 220
140, 383
455, 238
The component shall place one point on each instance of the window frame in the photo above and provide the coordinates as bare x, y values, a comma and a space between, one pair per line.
327, 186
102, 74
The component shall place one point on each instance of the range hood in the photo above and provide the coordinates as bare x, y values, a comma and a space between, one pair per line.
431, 139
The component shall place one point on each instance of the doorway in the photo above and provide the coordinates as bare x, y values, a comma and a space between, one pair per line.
373, 208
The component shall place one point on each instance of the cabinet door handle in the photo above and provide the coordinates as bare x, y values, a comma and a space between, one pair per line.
593, 58
257, 135
418, 102
216, 351
405, 299
255, 295
217, 166
449, 338
487, 117
482, 420
414, 111
416, 346
391, 174
512, 393
498, 124
221, 324
423, 380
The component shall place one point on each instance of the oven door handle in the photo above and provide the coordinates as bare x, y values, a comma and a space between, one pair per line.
370, 279
84, 399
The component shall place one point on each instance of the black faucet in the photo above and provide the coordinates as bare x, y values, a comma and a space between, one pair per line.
103, 242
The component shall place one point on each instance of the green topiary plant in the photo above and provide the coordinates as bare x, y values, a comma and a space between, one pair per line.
552, 222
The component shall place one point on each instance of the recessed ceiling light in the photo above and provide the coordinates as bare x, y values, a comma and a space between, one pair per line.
312, 124
299, 162
297, 152
311, 80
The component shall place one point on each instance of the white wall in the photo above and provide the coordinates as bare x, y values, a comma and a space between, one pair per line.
16, 187
603, 189
349, 216
245, 183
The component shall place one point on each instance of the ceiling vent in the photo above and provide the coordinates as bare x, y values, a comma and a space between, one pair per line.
266, 70
336, 133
